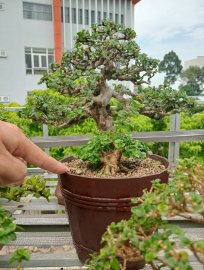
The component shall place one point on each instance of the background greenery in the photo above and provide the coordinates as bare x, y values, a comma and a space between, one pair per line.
137, 123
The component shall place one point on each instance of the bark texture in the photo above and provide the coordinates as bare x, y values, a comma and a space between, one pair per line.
110, 161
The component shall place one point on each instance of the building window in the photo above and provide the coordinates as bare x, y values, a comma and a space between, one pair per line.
99, 16
4, 99
80, 16
37, 11
67, 15
2, 6
38, 60
116, 18
104, 15
92, 16
86, 16
74, 15
122, 19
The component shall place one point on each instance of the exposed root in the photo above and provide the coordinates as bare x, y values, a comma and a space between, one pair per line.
128, 165
110, 161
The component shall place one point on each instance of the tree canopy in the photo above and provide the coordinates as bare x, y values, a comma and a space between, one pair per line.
98, 73
108, 52
193, 80
171, 66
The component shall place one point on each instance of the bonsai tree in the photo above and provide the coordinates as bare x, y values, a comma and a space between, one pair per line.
147, 235
102, 69
92, 82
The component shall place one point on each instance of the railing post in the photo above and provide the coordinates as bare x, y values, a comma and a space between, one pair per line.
173, 154
46, 134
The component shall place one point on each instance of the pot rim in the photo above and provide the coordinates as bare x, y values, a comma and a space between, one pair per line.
167, 165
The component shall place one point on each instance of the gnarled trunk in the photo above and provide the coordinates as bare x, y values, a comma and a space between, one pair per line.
110, 161
102, 116
100, 109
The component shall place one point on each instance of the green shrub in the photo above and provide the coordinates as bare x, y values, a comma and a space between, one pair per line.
28, 126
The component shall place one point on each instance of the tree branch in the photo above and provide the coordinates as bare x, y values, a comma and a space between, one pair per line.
72, 121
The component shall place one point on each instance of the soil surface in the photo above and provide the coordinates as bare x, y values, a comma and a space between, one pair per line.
128, 168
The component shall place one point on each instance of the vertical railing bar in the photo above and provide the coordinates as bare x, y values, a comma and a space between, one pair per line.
173, 154
46, 134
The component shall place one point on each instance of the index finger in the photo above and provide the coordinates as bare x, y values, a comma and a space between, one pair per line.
34, 155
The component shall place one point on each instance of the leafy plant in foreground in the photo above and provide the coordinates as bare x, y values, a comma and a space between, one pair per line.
7, 227
148, 236
35, 185
21, 254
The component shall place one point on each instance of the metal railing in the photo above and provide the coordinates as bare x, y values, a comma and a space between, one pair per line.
173, 137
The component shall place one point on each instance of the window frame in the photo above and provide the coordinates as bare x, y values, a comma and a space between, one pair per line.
35, 70
36, 13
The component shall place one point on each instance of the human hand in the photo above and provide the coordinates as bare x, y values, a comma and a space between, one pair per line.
16, 150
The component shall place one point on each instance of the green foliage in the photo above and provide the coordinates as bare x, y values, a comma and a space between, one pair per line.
147, 236
13, 104
171, 66
110, 141
162, 101
89, 83
21, 254
107, 50
106, 53
50, 107
194, 148
35, 185
195, 121
193, 78
7, 227
29, 127
198, 109
189, 149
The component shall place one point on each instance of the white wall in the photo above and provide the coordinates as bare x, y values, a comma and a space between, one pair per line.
199, 61
16, 33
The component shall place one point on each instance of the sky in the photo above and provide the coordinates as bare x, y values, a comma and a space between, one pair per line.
165, 25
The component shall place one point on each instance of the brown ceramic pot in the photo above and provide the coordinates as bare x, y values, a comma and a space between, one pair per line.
92, 204
58, 194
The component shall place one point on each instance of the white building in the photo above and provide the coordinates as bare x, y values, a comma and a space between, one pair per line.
199, 62
33, 35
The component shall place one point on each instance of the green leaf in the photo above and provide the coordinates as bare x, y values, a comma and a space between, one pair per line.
115, 265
